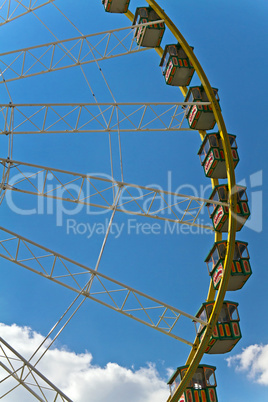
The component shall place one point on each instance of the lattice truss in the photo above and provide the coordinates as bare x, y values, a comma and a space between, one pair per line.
13, 9
67, 53
101, 192
93, 285
93, 117
17, 372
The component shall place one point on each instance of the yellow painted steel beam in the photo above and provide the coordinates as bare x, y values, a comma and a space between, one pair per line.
199, 348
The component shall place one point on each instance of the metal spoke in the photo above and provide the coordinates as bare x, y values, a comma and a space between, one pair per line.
18, 369
88, 117
98, 192
104, 290
59, 55
10, 10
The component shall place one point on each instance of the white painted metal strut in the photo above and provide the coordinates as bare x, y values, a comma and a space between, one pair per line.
10, 10
59, 55
98, 192
25, 374
55, 118
106, 291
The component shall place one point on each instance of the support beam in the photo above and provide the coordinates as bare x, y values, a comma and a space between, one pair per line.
99, 192
10, 10
104, 290
81, 118
59, 55
26, 375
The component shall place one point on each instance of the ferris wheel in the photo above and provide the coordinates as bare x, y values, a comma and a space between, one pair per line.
216, 325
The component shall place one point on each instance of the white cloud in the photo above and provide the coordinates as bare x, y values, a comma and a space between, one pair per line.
254, 361
77, 376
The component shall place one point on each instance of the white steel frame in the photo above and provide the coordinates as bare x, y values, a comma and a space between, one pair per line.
59, 55
94, 117
25, 374
13, 9
79, 278
100, 192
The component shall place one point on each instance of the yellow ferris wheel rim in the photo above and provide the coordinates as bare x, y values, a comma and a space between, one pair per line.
198, 348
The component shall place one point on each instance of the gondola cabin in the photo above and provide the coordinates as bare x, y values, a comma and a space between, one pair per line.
220, 213
149, 35
116, 6
226, 332
202, 387
212, 156
176, 66
200, 117
240, 271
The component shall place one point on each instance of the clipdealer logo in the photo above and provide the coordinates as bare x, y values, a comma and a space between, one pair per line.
132, 226
61, 209
255, 196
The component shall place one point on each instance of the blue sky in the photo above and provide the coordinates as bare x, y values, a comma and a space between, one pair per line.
229, 41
